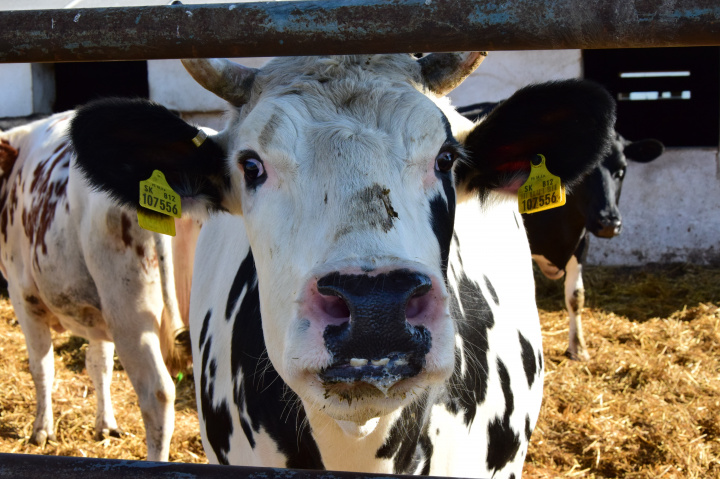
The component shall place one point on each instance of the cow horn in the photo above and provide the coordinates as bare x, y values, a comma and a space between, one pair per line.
444, 71
228, 80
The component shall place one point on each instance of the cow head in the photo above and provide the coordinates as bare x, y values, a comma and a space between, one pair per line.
604, 183
345, 171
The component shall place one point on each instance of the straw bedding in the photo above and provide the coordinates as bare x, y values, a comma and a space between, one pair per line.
647, 404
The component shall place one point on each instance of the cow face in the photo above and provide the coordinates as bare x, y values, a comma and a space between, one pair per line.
339, 172
344, 170
603, 185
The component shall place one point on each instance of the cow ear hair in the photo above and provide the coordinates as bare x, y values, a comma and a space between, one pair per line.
643, 151
120, 142
569, 122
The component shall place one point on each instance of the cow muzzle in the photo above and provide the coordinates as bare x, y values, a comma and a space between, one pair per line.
608, 228
377, 328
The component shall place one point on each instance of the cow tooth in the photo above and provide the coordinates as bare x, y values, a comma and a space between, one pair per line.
380, 362
355, 362
401, 362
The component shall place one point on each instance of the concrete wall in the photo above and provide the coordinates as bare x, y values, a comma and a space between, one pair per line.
503, 73
671, 212
16, 95
26, 89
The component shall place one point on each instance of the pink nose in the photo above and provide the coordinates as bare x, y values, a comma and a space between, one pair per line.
376, 328
400, 295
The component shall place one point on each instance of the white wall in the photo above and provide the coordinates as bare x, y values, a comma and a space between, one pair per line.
16, 94
26, 89
502, 73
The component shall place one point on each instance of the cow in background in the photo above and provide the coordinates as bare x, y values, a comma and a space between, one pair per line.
559, 237
76, 261
368, 302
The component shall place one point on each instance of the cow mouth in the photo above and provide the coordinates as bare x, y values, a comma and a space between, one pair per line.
362, 377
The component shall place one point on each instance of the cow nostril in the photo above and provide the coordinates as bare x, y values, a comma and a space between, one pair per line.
416, 307
335, 309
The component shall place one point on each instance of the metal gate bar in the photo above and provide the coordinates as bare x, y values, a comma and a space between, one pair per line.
351, 26
30, 466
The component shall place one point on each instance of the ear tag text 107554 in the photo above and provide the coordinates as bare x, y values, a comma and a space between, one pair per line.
542, 190
156, 195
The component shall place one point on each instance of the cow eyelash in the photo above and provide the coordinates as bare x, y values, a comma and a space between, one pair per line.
252, 167
445, 160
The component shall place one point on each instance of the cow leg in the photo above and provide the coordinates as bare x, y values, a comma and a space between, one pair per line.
42, 365
139, 352
99, 363
575, 302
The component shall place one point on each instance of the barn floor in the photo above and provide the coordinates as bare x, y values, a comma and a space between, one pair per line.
647, 405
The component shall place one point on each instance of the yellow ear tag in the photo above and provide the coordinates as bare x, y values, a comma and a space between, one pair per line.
542, 190
156, 195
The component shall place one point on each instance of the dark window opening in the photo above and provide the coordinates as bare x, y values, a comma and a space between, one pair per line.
672, 94
79, 83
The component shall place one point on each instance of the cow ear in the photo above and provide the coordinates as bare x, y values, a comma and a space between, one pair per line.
569, 122
120, 142
643, 151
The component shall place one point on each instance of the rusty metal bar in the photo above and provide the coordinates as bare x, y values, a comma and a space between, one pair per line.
351, 26
30, 466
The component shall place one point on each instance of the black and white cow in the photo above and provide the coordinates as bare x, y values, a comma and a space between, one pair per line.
561, 236
75, 261
368, 303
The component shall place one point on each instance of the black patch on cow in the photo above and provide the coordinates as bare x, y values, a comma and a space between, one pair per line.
540, 357
204, 329
503, 441
528, 429
427, 449
457, 245
243, 279
217, 417
268, 402
442, 219
409, 440
492, 291
471, 389
528, 359
511, 476
248, 432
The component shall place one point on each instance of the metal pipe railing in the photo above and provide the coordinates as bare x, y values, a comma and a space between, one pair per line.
30, 466
351, 26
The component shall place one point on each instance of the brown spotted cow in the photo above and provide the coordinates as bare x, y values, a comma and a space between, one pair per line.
75, 261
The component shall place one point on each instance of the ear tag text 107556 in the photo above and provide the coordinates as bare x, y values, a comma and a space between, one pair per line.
156, 195
542, 190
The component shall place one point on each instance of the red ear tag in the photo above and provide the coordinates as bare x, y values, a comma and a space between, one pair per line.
542, 190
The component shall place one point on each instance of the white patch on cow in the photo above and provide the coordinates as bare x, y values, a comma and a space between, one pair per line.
335, 444
357, 430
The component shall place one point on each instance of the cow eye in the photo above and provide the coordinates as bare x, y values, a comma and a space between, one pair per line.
253, 169
444, 161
